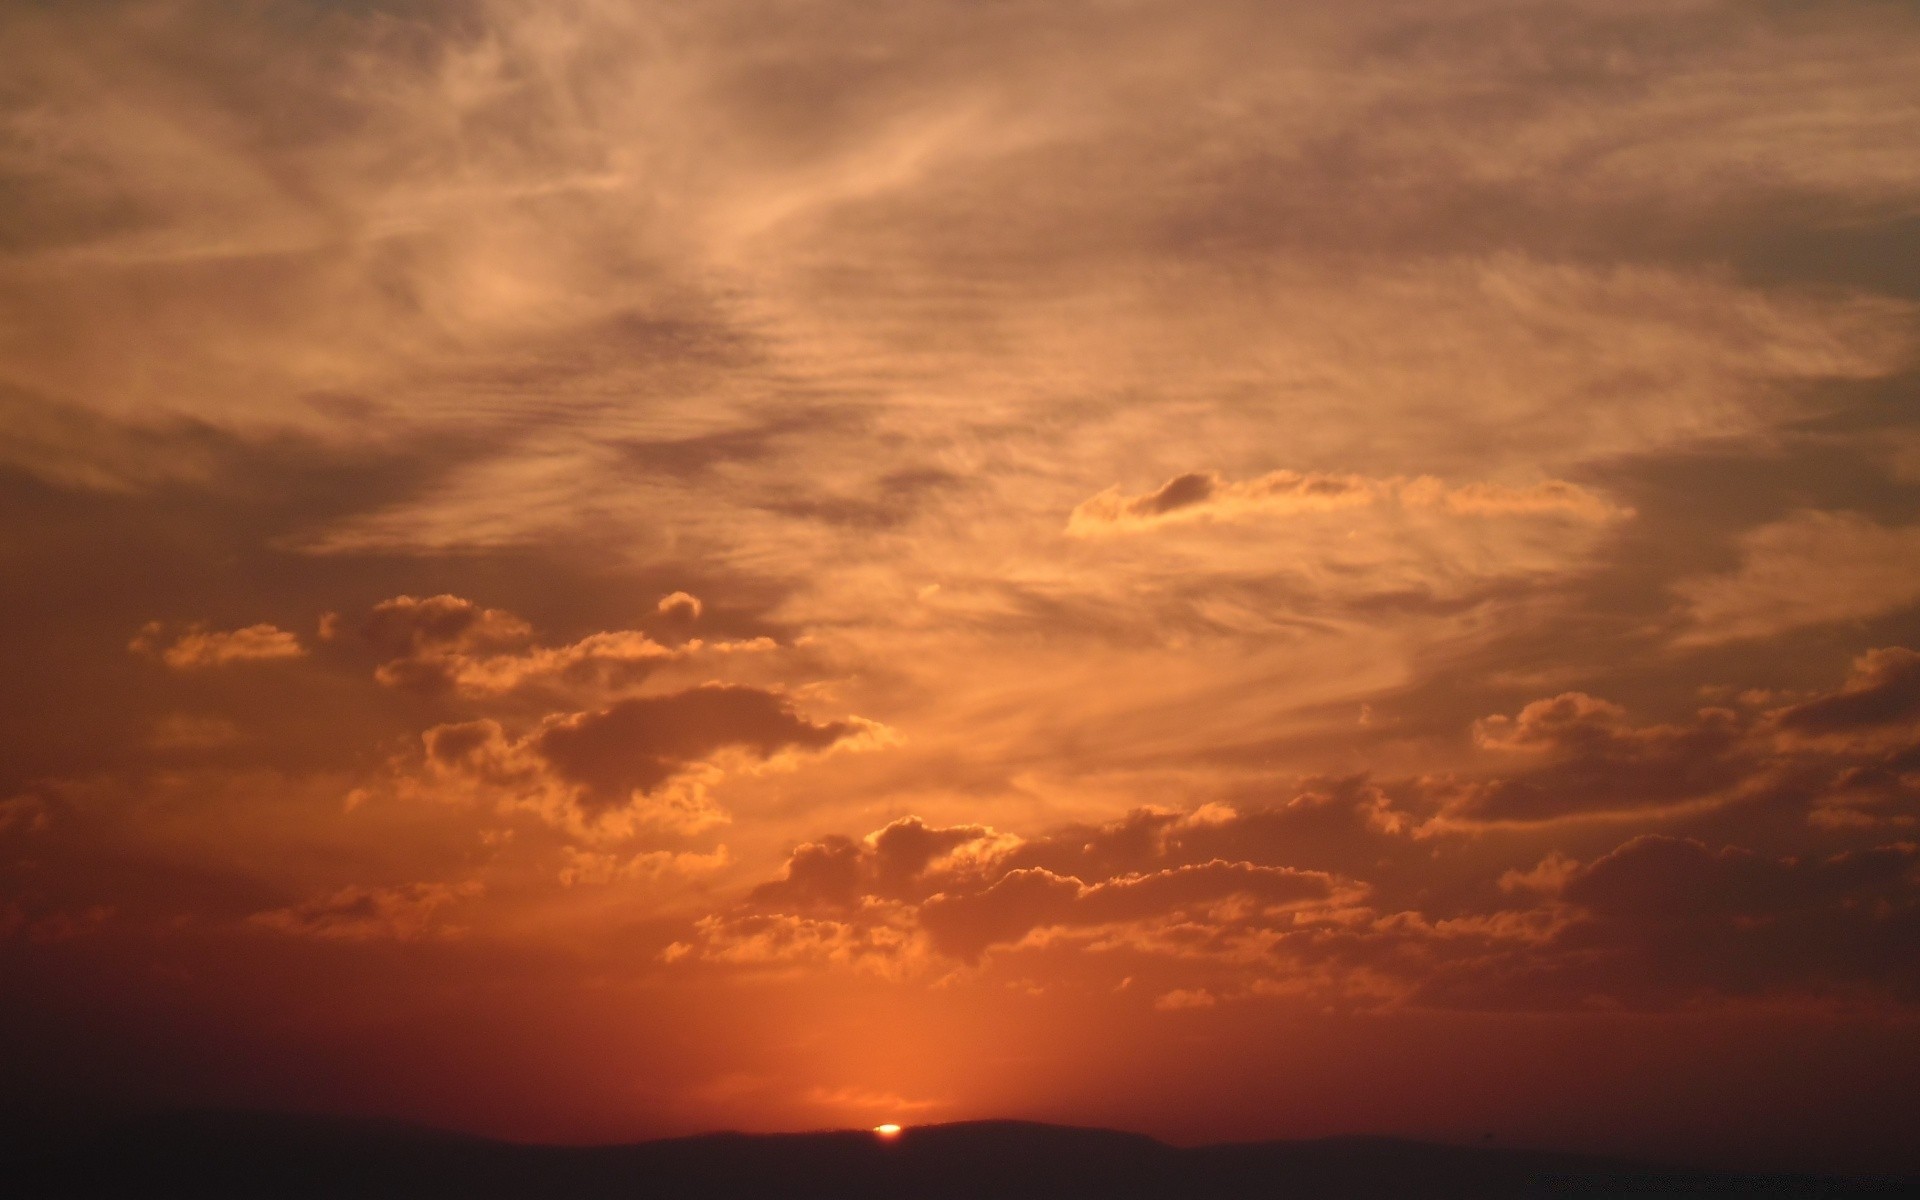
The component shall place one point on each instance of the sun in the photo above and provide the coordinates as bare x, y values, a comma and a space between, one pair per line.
888, 1130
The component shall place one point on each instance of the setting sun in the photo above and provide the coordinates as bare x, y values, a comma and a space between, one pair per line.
887, 1131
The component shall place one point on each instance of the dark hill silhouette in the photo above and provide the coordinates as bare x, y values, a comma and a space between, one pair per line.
268, 1157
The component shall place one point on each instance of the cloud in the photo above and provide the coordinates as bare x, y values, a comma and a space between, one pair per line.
783, 941
25, 812
1685, 917
1184, 998
1655, 879
646, 758
447, 644
683, 605
199, 648
186, 731
593, 868
360, 914
1862, 742
958, 891
433, 637
1579, 757
1848, 755
1657, 923
1882, 689
636, 745
47, 927
1207, 495
1437, 891
906, 860
406, 626
1026, 899
1338, 825
1813, 568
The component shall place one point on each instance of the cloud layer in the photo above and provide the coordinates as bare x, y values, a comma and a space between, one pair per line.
584, 569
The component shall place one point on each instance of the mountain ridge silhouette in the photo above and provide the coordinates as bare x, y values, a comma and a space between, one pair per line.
268, 1156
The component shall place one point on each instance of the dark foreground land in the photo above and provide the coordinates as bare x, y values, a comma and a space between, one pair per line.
265, 1157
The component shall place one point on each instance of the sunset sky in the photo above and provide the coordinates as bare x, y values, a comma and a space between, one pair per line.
593, 569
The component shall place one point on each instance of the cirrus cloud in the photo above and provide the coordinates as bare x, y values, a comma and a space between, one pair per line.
1210, 496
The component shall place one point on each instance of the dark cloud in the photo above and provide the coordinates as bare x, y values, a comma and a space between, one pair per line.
409, 625
428, 636
1657, 923
1593, 760
1675, 916
1026, 899
369, 913
1884, 688
1342, 825
893, 863
636, 745
1340, 893
471, 746
970, 888
1182, 491
1655, 879
1850, 755
447, 645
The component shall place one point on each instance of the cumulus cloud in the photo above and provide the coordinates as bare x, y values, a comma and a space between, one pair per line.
638, 744
1685, 917
1180, 998
1657, 923
682, 605
409, 625
956, 892
199, 648
359, 914
1813, 568
1578, 756
448, 644
784, 941
1862, 742
1446, 891
907, 860
1027, 899
647, 758
1848, 755
1883, 689
1208, 495
432, 638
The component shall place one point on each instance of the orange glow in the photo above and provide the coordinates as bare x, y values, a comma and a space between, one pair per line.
585, 570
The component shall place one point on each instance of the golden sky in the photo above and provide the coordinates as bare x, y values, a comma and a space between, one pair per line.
594, 568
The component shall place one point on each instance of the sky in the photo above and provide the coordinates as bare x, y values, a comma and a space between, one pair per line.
594, 569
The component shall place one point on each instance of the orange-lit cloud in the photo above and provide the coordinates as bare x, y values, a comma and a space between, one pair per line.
648, 758
1813, 568
1206, 495
198, 648
362, 914
445, 643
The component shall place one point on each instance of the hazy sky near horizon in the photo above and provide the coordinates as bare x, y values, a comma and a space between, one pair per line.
587, 569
